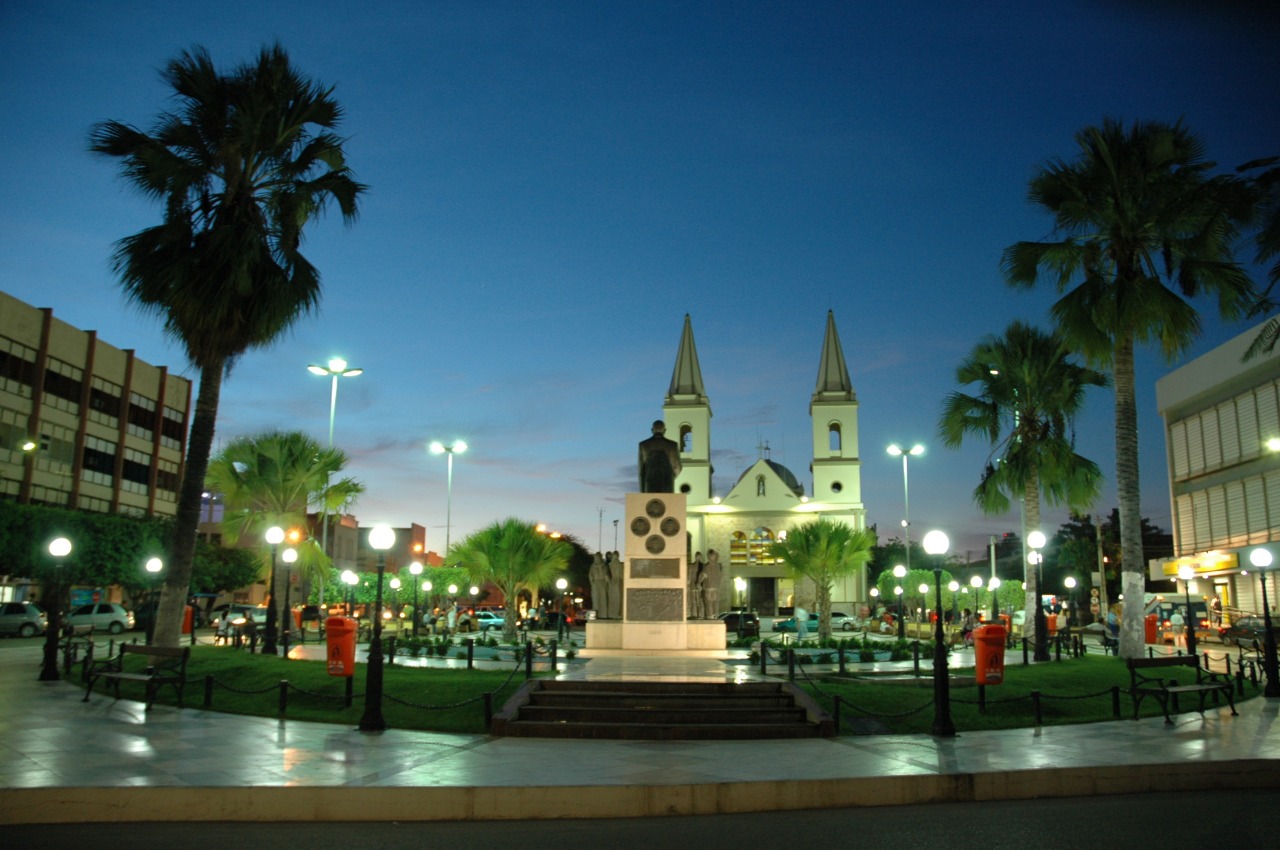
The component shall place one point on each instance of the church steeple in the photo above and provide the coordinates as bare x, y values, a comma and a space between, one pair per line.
837, 472
687, 413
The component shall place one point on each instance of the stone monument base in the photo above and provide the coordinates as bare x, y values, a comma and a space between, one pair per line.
654, 638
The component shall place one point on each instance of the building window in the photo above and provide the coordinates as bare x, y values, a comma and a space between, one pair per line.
142, 416
17, 367
104, 402
759, 485
686, 438
171, 429
833, 438
137, 472
63, 385
99, 461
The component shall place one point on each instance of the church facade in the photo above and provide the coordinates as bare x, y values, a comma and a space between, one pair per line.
767, 499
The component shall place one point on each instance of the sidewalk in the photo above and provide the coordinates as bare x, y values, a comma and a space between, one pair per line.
106, 761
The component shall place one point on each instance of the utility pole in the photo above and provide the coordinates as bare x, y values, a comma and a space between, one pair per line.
1102, 574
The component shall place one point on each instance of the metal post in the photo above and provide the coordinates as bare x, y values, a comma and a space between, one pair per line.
269, 639
942, 725
372, 721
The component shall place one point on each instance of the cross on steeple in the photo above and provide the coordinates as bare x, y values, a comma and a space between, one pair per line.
763, 450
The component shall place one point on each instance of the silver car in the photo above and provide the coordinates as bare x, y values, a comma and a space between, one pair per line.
103, 616
22, 619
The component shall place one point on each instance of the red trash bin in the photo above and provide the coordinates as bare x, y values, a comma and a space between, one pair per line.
1151, 627
188, 619
1052, 620
988, 643
340, 641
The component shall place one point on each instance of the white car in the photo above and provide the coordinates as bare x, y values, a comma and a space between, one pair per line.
103, 616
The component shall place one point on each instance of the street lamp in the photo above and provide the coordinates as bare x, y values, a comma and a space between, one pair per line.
153, 568
993, 585
1070, 583
924, 601
1186, 574
562, 585
395, 604
274, 536
350, 579
1261, 558
740, 585
415, 570
1036, 541
59, 548
897, 451
337, 368
936, 544
426, 589
899, 572
381, 538
976, 584
954, 587
289, 556
456, 447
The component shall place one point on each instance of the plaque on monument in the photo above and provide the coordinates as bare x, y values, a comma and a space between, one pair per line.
640, 526
670, 526
655, 508
654, 544
655, 568
655, 605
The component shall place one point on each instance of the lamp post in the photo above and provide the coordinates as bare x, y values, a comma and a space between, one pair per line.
1261, 558
993, 585
1070, 583
456, 447
899, 572
289, 555
350, 579
153, 568
1187, 574
562, 585
381, 538
395, 600
897, 451
924, 603
59, 548
1036, 541
976, 584
415, 570
337, 368
275, 536
740, 585
954, 587
936, 543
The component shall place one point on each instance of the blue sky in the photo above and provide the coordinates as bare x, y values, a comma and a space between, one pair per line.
554, 185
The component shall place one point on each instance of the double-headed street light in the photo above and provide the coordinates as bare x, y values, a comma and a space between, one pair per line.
1036, 541
381, 538
897, 451
456, 447
1261, 559
337, 368
59, 548
274, 537
936, 544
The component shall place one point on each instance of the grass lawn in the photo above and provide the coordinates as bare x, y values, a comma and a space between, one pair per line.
1076, 690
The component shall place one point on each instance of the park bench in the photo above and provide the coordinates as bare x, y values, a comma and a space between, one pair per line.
166, 666
75, 639
1143, 684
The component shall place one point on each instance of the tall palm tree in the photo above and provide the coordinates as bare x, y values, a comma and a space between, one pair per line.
1029, 393
1266, 183
512, 554
244, 161
824, 551
273, 479
1144, 228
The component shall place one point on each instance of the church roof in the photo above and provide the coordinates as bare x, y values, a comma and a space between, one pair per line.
686, 379
787, 476
833, 375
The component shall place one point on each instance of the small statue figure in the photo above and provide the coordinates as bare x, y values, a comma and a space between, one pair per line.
614, 566
711, 588
599, 580
693, 599
659, 462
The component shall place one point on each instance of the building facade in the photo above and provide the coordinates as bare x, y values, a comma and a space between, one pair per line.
84, 424
1222, 433
766, 500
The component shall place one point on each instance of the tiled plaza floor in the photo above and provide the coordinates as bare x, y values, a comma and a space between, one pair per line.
106, 760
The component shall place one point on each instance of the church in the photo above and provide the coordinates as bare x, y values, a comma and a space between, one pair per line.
767, 499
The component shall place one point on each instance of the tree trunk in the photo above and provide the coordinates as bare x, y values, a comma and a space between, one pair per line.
1132, 583
1031, 505
177, 581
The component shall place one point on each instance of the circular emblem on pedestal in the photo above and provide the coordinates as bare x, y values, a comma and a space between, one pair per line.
655, 508
640, 526
655, 544
670, 526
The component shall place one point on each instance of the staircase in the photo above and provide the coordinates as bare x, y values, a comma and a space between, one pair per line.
660, 710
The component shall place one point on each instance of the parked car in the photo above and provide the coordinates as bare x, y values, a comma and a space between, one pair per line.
750, 623
254, 613
103, 616
489, 619
24, 619
840, 622
1247, 629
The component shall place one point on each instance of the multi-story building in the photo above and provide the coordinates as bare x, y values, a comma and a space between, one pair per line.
84, 424
1222, 432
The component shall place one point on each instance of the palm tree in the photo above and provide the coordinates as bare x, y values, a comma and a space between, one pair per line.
824, 551
1029, 393
1267, 239
512, 554
240, 172
1144, 227
273, 479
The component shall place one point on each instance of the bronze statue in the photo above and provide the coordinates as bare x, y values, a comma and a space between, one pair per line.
659, 462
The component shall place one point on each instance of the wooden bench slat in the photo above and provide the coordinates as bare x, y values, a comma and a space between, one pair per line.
172, 671
1142, 685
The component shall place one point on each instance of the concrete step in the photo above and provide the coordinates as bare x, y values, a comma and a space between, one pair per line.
656, 732
661, 715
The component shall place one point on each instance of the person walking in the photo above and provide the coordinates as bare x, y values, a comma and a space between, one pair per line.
1176, 625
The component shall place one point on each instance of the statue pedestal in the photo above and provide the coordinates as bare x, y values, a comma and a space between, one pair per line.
657, 638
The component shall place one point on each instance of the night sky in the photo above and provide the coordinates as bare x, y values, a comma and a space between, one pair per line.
554, 185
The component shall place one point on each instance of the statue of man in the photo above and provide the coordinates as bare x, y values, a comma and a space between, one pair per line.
614, 567
711, 589
659, 462
599, 580
693, 599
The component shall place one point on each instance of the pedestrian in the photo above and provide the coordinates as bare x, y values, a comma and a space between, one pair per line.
967, 625
802, 623
451, 621
1176, 623
1215, 612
